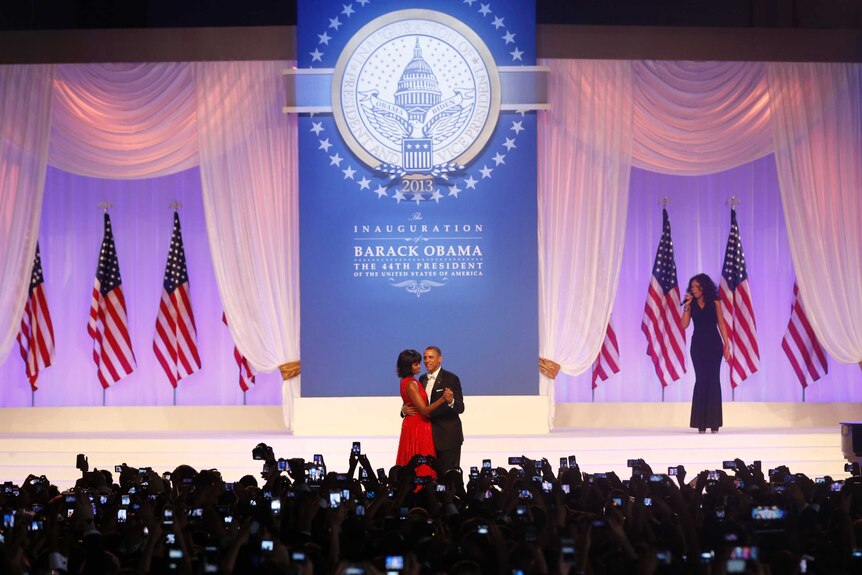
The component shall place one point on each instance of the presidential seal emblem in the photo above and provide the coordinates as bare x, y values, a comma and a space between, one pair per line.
416, 94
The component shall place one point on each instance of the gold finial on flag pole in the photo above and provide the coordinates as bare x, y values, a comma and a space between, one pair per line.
733, 201
664, 202
106, 206
175, 205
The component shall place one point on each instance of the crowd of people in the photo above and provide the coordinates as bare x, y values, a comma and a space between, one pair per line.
525, 517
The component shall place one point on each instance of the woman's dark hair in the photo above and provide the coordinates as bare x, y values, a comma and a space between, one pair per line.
710, 292
406, 359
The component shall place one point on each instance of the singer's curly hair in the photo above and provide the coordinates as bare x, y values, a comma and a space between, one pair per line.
710, 292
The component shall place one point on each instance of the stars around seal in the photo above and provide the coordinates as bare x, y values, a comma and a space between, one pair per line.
454, 190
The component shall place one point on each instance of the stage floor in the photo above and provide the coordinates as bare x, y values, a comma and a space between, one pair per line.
810, 450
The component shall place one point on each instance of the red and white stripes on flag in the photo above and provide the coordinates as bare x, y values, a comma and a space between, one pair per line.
246, 373
662, 313
608, 361
738, 311
108, 326
175, 342
801, 345
36, 338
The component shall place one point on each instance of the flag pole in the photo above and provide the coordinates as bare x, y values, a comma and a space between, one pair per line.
243, 397
33, 397
106, 205
664, 202
732, 201
803, 395
176, 206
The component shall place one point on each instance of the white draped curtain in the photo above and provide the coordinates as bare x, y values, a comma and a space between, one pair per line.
25, 116
585, 156
694, 118
817, 126
122, 121
698, 118
131, 121
250, 200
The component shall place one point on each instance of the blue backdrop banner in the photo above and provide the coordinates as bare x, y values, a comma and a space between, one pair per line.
417, 192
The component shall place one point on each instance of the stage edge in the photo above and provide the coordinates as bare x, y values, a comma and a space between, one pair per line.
364, 416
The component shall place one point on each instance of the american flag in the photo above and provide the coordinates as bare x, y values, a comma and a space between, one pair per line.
175, 342
661, 321
109, 328
801, 345
608, 361
735, 294
246, 373
36, 338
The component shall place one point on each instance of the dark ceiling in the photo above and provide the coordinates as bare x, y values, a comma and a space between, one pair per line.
85, 14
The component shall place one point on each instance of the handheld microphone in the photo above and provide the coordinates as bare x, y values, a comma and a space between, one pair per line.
683, 299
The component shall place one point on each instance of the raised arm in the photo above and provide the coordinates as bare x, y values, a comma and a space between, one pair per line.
686, 312
419, 403
723, 329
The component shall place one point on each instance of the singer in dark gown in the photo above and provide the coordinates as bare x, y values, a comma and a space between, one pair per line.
707, 347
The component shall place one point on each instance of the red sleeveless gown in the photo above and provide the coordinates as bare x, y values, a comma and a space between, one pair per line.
416, 435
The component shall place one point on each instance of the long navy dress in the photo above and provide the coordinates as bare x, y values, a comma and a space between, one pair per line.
706, 353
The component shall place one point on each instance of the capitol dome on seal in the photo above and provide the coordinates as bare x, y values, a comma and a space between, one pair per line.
418, 88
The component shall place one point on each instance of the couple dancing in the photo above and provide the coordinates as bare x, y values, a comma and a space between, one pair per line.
429, 427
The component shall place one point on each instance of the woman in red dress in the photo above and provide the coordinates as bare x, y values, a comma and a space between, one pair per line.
416, 438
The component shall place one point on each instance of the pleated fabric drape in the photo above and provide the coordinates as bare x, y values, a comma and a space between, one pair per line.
25, 113
584, 151
122, 121
248, 159
817, 126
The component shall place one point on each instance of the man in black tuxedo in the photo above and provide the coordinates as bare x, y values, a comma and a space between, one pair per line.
445, 420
